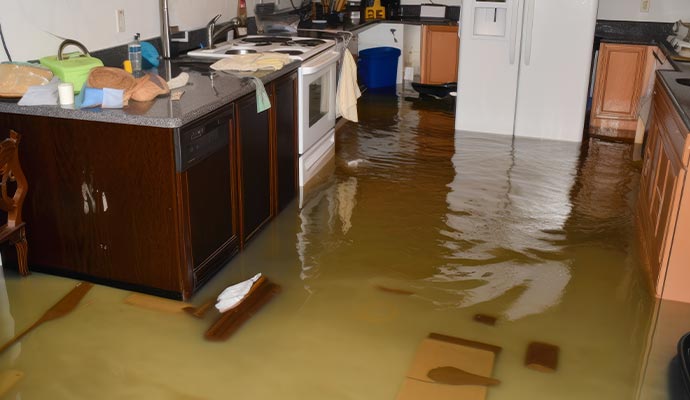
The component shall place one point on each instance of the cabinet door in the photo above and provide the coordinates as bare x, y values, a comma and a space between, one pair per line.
209, 210
617, 90
286, 140
254, 156
440, 47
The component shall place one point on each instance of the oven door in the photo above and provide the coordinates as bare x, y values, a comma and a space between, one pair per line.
316, 99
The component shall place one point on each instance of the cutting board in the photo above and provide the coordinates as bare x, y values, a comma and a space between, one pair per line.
15, 79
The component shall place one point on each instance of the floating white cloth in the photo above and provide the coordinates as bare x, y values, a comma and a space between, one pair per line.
348, 90
232, 295
252, 62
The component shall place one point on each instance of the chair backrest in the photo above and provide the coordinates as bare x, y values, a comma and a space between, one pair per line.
11, 171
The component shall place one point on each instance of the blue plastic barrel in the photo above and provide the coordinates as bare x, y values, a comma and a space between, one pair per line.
378, 66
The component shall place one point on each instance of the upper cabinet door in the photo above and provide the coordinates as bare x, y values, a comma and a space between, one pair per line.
440, 47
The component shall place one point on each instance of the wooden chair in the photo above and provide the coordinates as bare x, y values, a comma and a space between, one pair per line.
10, 170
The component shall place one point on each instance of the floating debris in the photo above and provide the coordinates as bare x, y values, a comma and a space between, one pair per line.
542, 357
485, 319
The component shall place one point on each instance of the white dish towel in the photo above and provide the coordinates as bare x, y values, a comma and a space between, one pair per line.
348, 89
233, 295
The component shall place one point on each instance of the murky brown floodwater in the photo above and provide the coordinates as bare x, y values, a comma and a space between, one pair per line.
539, 234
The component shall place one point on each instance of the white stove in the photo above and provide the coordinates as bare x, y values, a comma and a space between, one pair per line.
298, 48
316, 91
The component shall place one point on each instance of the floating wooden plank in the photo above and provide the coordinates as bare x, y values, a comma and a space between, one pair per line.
542, 357
230, 321
393, 290
156, 303
8, 379
485, 319
450, 368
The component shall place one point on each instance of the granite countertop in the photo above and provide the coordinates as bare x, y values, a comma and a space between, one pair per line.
204, 93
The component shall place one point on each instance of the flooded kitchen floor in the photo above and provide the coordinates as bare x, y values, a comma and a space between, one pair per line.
539, 234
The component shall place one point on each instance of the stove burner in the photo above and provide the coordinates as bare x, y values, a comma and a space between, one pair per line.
305, 42
261, 44
290, 52
267, 39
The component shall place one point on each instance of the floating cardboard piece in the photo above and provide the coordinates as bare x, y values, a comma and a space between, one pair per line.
156, 303
8, 379
542, 357
446, 351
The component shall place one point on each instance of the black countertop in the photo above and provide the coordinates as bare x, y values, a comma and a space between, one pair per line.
680, 94
204, 93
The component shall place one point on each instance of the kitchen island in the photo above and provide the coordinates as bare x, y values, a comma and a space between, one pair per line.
158, 196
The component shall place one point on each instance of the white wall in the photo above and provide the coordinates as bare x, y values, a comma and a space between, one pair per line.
30, 26
659, 10
444, 2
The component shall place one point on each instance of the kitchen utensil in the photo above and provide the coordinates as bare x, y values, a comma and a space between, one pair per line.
60, 309
73, 67
15, 79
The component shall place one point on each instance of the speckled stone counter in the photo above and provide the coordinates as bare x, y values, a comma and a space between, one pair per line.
204, 93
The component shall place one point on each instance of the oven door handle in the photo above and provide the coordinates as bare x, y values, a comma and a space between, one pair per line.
319, 63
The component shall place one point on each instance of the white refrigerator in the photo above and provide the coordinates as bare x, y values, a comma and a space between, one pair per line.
524, 67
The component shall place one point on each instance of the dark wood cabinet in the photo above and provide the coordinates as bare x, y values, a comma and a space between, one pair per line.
286, 140
267, 154
102, 201
255, 164
156, 210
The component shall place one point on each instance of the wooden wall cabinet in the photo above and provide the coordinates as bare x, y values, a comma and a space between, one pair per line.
624, 78
439, 54
663, 206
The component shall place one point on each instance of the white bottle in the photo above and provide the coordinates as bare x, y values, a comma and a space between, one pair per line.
134, 50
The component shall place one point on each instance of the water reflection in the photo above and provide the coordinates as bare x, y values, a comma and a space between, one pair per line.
325, 220
507, 206
7, 326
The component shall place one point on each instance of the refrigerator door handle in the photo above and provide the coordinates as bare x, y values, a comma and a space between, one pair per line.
529, 27
512, 44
